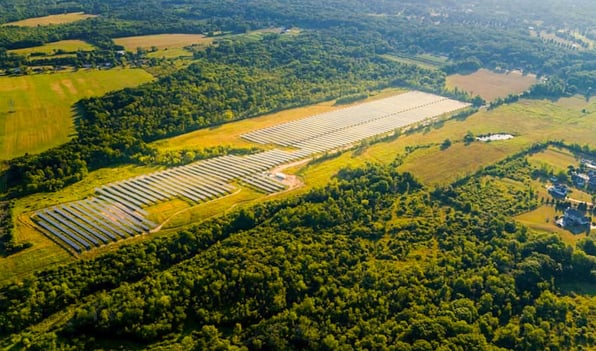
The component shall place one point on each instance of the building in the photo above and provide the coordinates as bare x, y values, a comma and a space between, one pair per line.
592, 181
558, 191
580, 179
575, 218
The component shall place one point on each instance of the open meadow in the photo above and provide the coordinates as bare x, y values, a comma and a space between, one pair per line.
164, 45
52, 48
423, 60
36, 111
52, 19
490, 85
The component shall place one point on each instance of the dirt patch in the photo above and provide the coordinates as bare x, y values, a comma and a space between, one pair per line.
291, 181
490, 85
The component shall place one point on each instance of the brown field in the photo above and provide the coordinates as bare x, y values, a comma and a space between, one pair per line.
162, 41
490, 85
52, 19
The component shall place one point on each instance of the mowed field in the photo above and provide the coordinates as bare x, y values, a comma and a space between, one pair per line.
36, 111
490, 85
51, 48
174, 43
52, 19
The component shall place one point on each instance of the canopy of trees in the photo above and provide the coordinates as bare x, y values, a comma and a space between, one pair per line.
373, 261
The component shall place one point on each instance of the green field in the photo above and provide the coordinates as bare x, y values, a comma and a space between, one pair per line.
424, 60
52, 19
36, 111
51, 48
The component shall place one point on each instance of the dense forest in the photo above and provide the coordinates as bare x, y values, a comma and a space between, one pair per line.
372, 261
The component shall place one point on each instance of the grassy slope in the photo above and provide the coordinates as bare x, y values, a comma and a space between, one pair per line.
42, 105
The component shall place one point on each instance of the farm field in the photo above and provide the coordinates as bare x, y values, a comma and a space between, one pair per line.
36, 111
52, 19
163, 42
490, 85
51, 48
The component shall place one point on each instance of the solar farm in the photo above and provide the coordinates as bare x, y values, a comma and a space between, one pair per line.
117, 211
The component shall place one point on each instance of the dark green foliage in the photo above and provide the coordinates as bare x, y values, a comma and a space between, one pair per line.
370, 261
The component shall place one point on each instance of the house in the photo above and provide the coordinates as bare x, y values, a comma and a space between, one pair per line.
580, 179
558, 191
592, 181
575, 218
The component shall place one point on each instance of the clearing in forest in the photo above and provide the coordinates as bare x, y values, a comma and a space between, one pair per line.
55, 47
490, 85
36, 111
162, 41
52, 19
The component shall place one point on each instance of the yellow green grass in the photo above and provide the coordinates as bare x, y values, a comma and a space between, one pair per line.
167, 45
557, 159
51, 48
543, 219
424, 61
490, 85
52, 19
36, 111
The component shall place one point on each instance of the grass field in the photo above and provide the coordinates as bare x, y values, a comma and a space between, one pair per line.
168, 45
36, 111
556, 158
490, 85
543, 219
51, 48
52, 19
423, 60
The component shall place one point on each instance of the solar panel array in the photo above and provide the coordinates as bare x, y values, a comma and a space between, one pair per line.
116, 212
346, 126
